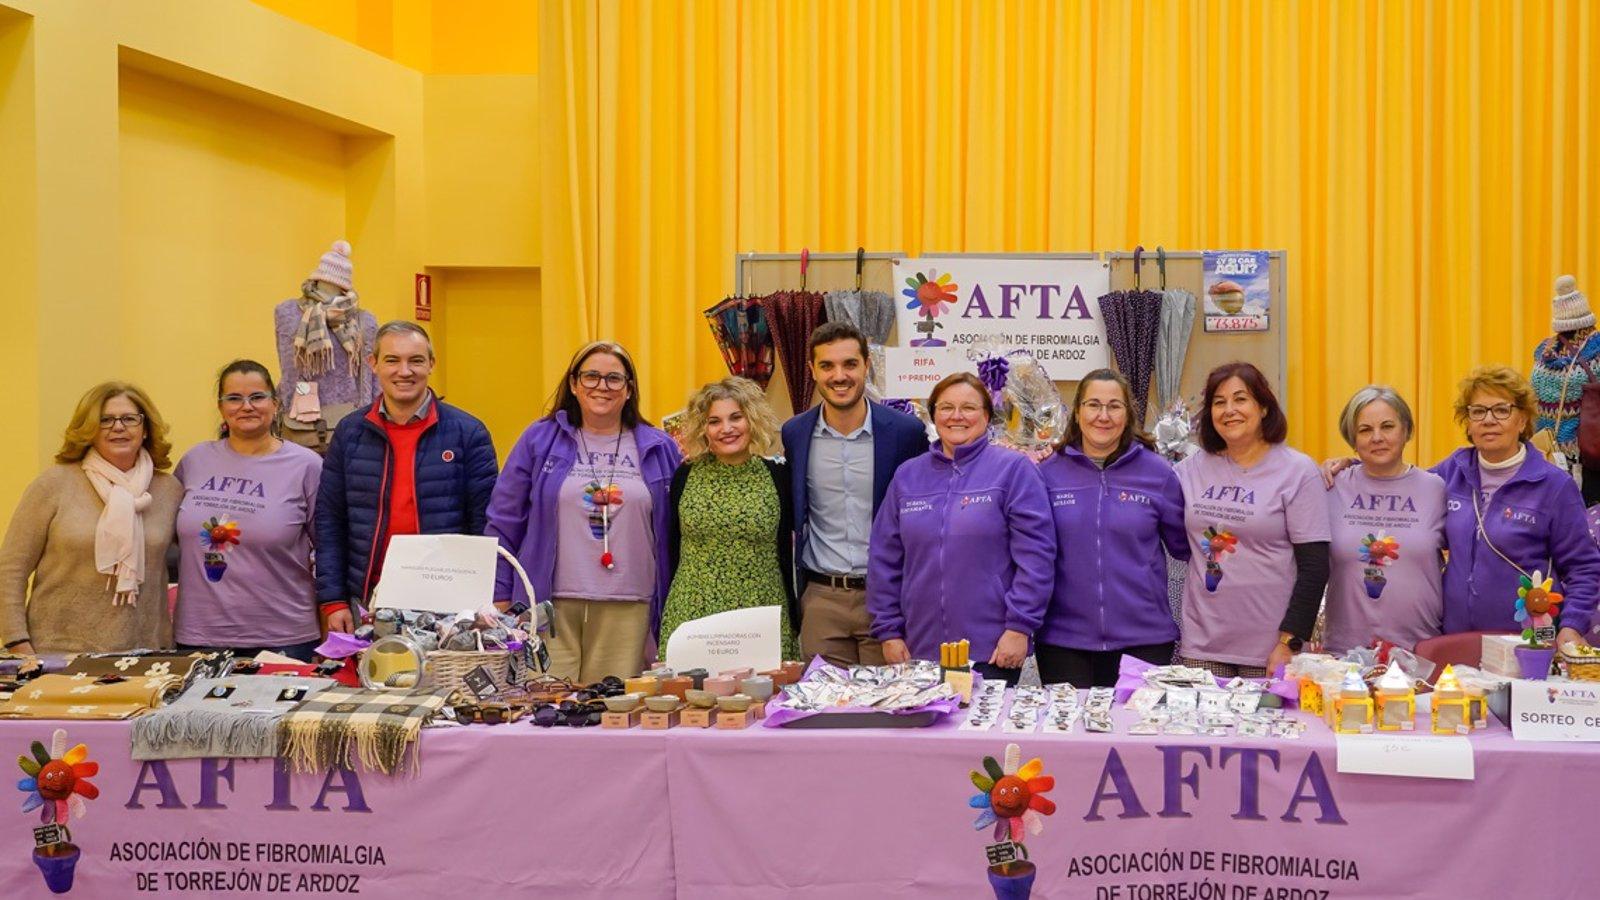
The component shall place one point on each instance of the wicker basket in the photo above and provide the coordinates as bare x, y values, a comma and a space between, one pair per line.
447, 669
1581, 668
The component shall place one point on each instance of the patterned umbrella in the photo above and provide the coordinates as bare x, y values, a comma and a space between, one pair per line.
1133, 320
740, 327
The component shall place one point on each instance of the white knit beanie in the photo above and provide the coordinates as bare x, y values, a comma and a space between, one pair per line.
335, 268
1570, 311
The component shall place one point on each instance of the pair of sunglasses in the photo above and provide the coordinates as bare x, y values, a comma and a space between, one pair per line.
487, 714
569, 712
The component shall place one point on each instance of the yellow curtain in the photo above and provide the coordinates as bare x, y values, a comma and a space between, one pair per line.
1430, 167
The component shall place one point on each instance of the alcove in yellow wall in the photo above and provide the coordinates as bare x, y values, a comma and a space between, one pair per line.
486, 332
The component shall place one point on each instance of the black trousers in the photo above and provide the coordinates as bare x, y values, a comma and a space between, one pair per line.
1093, 668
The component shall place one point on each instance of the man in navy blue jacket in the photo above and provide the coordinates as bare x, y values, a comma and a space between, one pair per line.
411, 464
842, 455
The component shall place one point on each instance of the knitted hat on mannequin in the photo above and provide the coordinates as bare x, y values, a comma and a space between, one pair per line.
1570, 311
335, 269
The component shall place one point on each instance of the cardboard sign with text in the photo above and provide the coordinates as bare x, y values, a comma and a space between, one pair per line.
443, 573
739, 639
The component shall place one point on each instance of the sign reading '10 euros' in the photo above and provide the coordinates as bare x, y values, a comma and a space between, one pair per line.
1048, 307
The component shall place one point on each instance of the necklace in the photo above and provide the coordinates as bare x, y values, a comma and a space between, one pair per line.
601, 491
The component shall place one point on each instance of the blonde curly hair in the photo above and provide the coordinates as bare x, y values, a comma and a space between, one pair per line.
85, 424
1502, 380
764, 427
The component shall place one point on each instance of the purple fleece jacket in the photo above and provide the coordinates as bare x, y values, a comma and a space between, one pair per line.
1537, 520
961, 548
1111, 525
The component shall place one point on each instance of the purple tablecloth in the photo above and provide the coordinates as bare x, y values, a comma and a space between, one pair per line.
516, 810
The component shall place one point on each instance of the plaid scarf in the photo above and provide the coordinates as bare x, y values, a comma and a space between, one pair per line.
342, 725
324, 320
235, 718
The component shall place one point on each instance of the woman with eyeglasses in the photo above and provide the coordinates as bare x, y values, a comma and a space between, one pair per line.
92, 533
582, 503
1509, 515
245, 580
1116, 505
962, 547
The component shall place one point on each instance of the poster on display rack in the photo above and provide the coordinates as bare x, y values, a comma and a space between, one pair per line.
1238, 290
1045, 306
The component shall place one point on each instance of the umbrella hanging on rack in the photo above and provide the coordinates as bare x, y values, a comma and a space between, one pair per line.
740, 326
1132, 320
1172, 341
791, 316
870, 311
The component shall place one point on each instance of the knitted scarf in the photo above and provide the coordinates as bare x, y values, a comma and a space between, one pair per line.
119, 535
324, 320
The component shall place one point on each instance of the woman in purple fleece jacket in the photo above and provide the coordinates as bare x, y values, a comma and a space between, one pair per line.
1116, 503
962, 546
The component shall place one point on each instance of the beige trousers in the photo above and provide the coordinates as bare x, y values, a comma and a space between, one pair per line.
837, 626
596, 638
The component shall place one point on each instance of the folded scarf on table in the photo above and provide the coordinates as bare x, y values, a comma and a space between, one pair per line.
235, 717
84, 697
343, 725
128, 665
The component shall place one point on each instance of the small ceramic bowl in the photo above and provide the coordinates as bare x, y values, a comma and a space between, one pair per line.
759, 687
738, 674
661, 703
795, 670
677, 685
700, 699
623, 703
721, 686
736, 703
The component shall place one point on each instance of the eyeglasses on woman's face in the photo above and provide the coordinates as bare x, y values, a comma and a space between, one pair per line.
254, 398
1499, 412
128, 422
591, 379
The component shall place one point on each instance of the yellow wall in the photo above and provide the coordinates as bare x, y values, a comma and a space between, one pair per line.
229, 204
485, 328
454, 37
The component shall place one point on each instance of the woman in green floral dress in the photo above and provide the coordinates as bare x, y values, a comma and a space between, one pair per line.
731, 528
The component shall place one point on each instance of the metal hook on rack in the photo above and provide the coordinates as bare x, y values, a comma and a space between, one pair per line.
1138, 253
1161, 264
861, 262
805, 263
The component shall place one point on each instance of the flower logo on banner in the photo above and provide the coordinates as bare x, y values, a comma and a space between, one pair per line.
931, 293
1012, 798
57, 782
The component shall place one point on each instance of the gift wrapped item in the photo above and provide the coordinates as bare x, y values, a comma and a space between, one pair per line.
342, 726
81, 696
234, 717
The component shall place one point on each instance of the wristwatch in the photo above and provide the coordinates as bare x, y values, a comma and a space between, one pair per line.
1293, 643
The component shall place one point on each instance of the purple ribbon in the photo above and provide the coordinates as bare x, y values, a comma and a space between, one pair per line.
899, 405
992, 371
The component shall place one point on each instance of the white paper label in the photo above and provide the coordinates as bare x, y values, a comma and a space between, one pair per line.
443, 573
1555, 710
1406, 756
739, 639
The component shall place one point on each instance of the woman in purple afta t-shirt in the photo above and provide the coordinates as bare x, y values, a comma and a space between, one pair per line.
245, 579
1257, 524
1387, 518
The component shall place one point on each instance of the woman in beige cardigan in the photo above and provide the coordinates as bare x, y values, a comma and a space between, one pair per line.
93, 532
